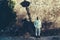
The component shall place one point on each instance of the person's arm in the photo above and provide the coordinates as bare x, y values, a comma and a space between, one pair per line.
40, 23
34, 23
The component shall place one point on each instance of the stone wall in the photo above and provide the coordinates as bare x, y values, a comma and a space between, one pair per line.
45, 9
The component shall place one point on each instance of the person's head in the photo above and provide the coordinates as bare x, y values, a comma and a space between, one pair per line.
37, 18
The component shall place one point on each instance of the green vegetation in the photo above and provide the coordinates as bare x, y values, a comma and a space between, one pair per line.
7, 15
11, 4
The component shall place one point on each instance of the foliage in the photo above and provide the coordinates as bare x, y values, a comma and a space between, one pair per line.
7, 15
11, 4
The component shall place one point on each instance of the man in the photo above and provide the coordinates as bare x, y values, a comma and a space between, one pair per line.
37, 24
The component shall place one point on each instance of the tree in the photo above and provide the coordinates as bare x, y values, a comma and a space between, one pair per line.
7, 15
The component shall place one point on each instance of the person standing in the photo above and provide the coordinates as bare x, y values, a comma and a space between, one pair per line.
38, 26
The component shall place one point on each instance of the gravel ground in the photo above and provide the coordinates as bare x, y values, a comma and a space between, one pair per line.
31, 38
